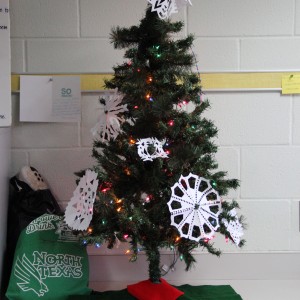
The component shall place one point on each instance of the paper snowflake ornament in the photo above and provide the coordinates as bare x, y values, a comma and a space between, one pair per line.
109, 125
234, 227
195, 207
79, 211
165, 8
150, 148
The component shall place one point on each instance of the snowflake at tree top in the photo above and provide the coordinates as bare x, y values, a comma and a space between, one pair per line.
133, 194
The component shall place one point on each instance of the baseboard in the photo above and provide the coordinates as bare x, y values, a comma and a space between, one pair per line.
230, 266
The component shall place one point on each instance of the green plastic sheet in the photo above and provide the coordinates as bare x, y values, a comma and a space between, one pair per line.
204, 292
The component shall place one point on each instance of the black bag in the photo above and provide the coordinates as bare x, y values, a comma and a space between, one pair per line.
24, 206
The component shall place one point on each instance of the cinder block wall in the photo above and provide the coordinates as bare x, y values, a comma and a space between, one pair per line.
259, 132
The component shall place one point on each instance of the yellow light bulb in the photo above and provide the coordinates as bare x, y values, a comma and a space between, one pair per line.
132, 141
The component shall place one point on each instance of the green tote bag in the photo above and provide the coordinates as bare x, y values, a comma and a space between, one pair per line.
49, 262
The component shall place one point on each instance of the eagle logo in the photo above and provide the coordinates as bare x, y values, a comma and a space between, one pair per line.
29, 276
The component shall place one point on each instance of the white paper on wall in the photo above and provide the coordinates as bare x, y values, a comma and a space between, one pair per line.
66, 98
50, 99
5, 82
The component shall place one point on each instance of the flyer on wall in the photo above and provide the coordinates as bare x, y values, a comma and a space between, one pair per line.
5, 81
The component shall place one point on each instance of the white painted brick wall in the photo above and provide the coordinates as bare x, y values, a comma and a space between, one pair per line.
294, 233
225, 53
45, 18
17, 54
241, 18
98, 17
259, 133
270, 172
276, 53
91, 109
229, 160
251, 118
296, 120
69, 55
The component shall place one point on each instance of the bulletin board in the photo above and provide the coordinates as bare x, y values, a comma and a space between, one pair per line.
5, 85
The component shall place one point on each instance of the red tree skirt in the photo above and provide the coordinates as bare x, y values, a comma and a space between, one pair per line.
146, 290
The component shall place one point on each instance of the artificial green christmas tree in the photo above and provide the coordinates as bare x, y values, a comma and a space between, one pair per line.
158, 181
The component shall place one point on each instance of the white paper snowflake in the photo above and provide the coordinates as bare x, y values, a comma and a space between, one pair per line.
150, 148
165, 8
234, 227
79, 210
194, 207
109, 125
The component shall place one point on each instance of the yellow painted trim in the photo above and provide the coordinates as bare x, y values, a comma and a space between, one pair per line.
89, 82
266, 80
210, 81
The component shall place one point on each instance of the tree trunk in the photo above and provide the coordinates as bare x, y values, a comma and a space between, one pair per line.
153, 256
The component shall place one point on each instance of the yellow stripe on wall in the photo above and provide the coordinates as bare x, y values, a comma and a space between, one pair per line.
210, 81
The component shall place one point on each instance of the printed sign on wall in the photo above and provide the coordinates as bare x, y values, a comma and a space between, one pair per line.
50, 98
5, 87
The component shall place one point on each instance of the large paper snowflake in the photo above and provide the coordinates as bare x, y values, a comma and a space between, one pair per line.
150, 148
79, 211
234, 227
109, 125
165, 8
195, 207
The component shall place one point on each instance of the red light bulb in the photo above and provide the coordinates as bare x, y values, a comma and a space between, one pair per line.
171, 123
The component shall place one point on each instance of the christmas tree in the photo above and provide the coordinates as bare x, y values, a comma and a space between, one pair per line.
159, 186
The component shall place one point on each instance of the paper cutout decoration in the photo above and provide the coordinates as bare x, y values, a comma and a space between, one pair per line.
195, 207
234, 227
165, 8
150, 148
109, 125
79, 210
